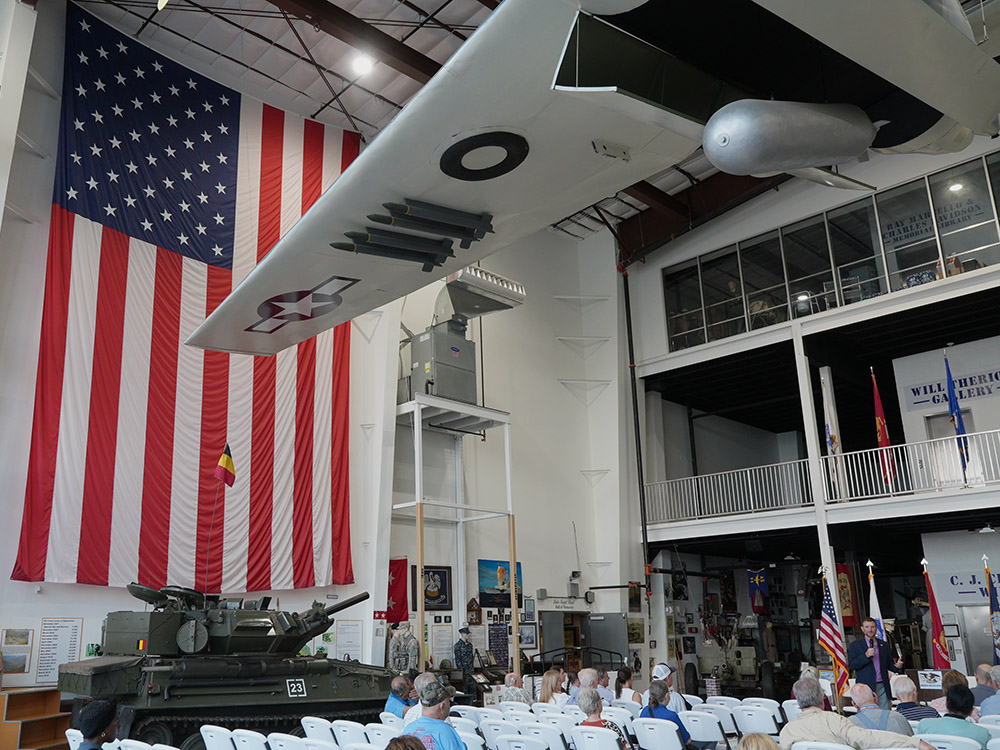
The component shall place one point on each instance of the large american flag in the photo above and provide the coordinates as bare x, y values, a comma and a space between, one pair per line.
831, 639
169, 189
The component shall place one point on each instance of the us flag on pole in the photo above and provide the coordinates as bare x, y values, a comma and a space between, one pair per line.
831, 640
169, 189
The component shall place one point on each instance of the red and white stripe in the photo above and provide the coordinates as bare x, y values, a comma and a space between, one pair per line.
129, 423
832, 641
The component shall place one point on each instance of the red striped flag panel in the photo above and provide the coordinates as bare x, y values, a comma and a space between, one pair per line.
169, 190
831, 639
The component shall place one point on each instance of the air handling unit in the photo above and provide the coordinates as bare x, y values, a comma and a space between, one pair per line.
442, 360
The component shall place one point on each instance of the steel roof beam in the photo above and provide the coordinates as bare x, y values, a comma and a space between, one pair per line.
338, 23
657, 199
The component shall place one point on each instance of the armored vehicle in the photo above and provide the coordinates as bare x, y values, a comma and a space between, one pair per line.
193, 659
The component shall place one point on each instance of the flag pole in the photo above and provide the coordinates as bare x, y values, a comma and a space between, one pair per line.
826, 583
208, 545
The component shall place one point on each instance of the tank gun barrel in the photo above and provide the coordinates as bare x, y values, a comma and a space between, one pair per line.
356, 599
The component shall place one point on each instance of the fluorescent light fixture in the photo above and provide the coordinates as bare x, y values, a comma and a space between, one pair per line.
955, 187
161, 4
361, 64
803, 297
987, 529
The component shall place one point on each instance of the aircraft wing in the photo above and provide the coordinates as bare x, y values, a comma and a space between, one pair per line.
492, 104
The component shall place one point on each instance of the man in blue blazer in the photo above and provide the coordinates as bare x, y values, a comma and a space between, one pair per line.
871, 662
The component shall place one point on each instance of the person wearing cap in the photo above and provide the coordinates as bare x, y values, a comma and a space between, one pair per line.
401, 696
431, 728
98, 723
464, 653
514, 689
417, 710
674, 700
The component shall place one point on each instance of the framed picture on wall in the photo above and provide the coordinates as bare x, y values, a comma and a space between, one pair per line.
528, 633
529, 609
437, 587
494, 583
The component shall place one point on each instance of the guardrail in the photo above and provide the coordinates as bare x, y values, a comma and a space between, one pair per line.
931, 465
775, 486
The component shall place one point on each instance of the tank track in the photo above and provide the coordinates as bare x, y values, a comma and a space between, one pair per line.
183, 725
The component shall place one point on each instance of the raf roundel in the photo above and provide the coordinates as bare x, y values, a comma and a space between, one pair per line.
515, 147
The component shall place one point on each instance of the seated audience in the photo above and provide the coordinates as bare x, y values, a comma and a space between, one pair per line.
992, 704
431, 728
812, 671
959, 703
665, 672
984, 685
98, 723
603, 679
951, 678
552, 690
514, 689
588, 679
590, 702
416, 711
757, 742
871, 716
906, 691
816, 725
405, 742
655, 708
623, 686
573, 681
401, 696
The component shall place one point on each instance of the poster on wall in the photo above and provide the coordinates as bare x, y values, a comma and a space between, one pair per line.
477, 636
727, 590
634, 596
58, 643
350, 640
442, 644
437, 587
845, 585
636, 630
15, 645
494, 584
498, 643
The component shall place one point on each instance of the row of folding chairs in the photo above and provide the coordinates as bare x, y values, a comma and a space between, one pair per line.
938, 741
651, 734
75, 738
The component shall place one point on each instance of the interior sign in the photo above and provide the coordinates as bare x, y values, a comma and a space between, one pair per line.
967, 387
296, 687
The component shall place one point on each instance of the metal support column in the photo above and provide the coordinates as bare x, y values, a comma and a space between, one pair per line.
418, 480
17, 29
511, 539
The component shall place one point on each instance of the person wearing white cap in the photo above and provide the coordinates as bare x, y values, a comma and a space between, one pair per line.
665, 672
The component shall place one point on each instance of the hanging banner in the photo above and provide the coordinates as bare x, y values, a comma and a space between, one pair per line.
845, 585
757, 581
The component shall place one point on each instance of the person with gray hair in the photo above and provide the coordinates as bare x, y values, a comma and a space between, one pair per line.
984, 688
421, 681
588, 679
591, 703
814, 724
513, 690
908, 707
401, 696
872, 716
657, 708
603, 679
992, 704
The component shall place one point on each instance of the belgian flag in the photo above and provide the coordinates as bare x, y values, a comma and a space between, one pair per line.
226, 470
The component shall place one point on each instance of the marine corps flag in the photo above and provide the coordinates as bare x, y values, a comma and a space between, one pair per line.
939, 658
882, 434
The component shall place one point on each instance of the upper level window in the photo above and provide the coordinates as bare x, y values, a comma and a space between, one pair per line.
722, 288
764, 280
685, 319
857, 255
807, 260
967, 227
911, 253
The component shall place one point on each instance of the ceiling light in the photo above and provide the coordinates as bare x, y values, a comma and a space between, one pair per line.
362, 64
803, 297
161, 4
955, 187
987, 529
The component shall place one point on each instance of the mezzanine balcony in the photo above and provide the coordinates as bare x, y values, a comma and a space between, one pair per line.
923, 469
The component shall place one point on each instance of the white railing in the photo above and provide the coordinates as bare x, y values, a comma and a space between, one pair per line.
784, 485
913, 467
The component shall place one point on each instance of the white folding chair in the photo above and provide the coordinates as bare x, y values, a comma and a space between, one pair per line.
308, 743
392, 720
755, 720
359, 746
74, 737
521, 718
704, 727
992, 744
379, 734
518, 742
507, 707
462, 724
631, 706
657, 734
594, 738
280, 741
467, 712
318, 728
723, 714
490, 713
113, 745
772, 705
993, 729
950, 742
550, 734
819, 746
988, 719
161, 746
575, 712
216, 738
543, 709
247, 739
622, 717
723, 700
493, 728
692, 700
561, 721
134, 745
472, 741
348, 732
791, 708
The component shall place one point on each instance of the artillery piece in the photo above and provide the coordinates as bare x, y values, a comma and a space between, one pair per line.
195, 659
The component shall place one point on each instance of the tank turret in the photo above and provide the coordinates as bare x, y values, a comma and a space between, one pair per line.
192, 659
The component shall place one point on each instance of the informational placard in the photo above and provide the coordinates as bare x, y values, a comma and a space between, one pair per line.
58, 643
350, 640
930, 679
442, 644
15, 645
499, 643
477, 635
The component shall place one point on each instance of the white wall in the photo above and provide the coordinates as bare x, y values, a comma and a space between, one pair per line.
22, 255
920, 383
